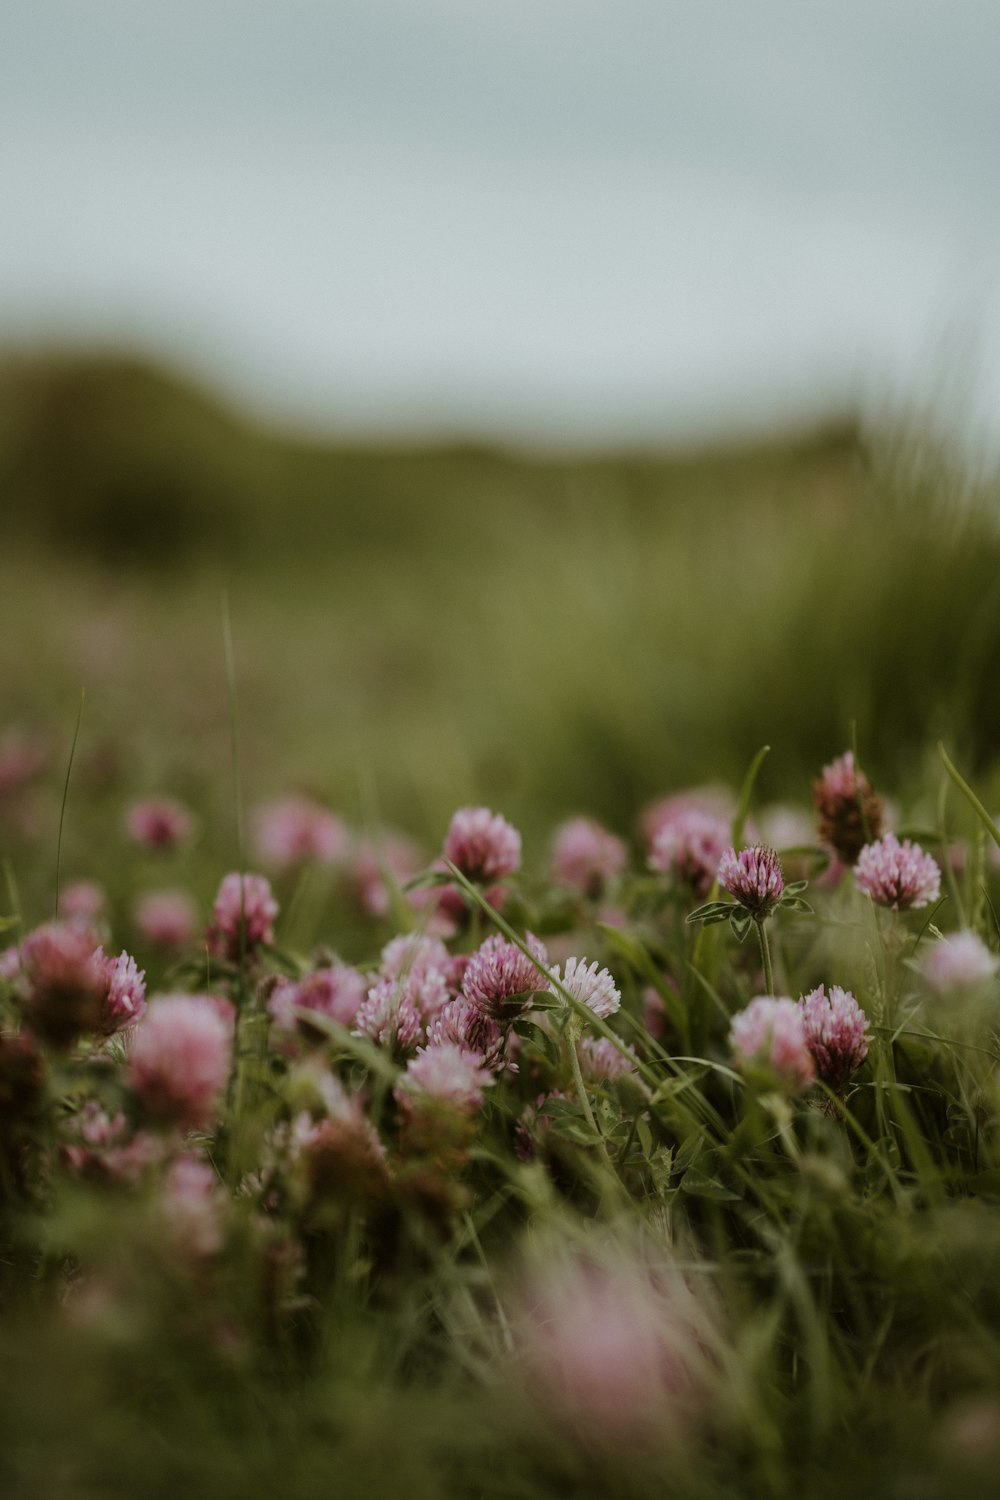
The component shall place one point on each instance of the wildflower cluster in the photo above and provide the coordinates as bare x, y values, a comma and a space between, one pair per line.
534, 1121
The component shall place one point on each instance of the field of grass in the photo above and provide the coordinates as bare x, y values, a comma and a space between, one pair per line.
701, 1276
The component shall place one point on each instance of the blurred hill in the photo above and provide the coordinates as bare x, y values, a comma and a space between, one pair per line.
119, 459
448, 622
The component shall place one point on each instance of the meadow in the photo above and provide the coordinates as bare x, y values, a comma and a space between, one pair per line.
375, 1120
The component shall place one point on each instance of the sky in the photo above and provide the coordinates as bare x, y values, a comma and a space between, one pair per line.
546, 218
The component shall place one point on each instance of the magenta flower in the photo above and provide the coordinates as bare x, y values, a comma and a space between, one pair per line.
166, 919
180, 1058
769, 1036
445, 1077
960, 961
296, 829
898, 875
500, 978
752, 878
586, 856
593, 987
482, 844
158, 823
243, 915
835, 1027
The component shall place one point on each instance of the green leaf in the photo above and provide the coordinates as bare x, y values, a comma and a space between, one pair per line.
700, 1186
712, 911
746, 793
795, 903
970, 796
740, 921
795, 887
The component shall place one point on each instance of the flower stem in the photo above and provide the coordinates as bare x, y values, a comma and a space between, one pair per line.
581, 1090
765, 954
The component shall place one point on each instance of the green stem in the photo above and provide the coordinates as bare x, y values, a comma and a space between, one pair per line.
765, 954
581, 1091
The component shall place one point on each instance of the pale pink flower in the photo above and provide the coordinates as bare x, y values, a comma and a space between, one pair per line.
391, 1016
600, 1060
715, 800
898, 875
391, 854
960, 961
243, 915
482, 844
654, 1012
335, 990
192, 1207
124, 991
836, 1033
158, 823
753, 878
414, 954
769, 1036
500, 978
295, 829
783, 826
104, 1147
452, 906
591, 986
587, 856
23, 755
613, 1347
83, 902
10, 963
63, 981
688, 846
166, 919
180, 1059
444, 1077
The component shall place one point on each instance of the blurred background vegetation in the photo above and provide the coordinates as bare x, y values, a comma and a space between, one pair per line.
420, 626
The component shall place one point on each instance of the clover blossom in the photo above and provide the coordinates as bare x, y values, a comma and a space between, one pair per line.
243, 915
180, 1057
835, 1027
898, 875
850, 813
482, 844
770, 1036
500, 978
587, 856
960, 961
591, 986
753, 878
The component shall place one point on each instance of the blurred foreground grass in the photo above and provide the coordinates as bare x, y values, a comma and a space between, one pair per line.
448, 624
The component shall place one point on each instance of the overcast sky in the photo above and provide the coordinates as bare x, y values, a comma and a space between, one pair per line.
525, 215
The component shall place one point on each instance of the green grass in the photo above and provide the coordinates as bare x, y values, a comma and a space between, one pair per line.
417, 628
